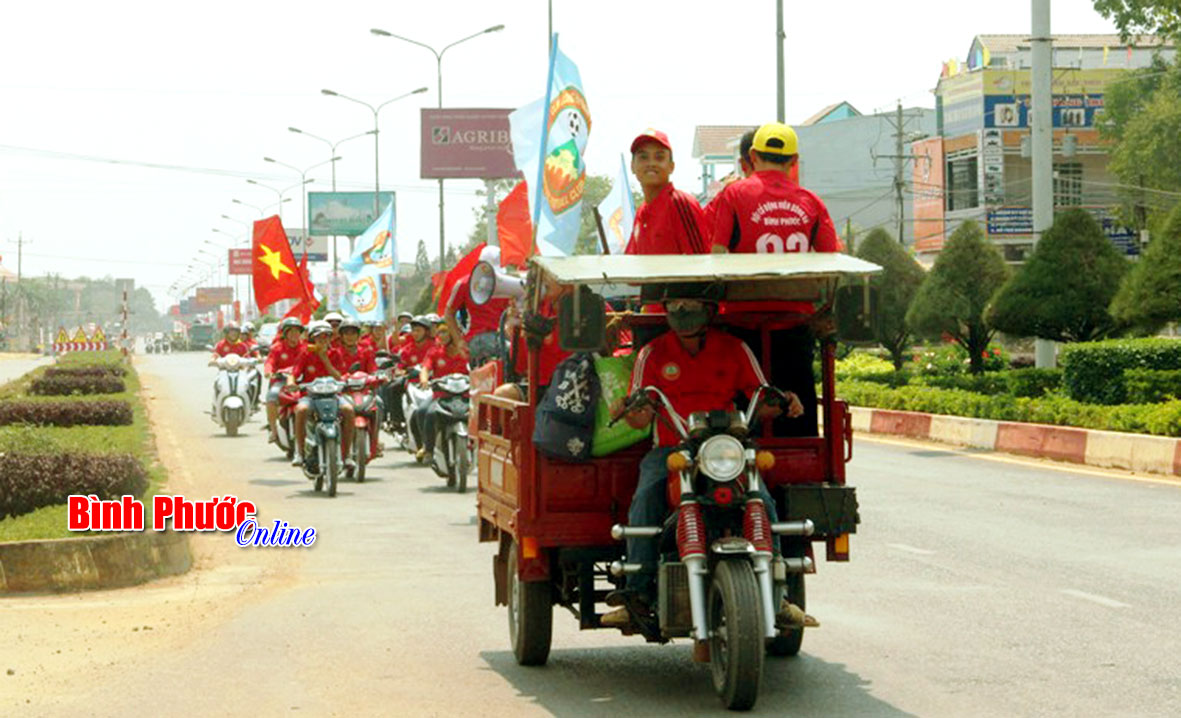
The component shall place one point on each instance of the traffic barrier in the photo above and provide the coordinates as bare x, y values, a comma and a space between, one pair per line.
1107, 449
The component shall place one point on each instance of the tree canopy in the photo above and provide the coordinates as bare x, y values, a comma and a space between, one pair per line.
1150, 295
953, 298
1133, 17
898, 283
1064, 288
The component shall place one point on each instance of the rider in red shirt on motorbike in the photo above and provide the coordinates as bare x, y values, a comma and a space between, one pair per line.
446, 357
414, 352
312, 364
231, 343
351, 351
284, 354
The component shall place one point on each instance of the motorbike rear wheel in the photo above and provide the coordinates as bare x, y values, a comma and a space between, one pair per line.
288, 444
460, 463
530, 615
332, 464
735, 634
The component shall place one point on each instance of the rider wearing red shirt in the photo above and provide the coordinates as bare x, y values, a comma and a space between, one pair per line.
768, 213
670, 221
231, 342
351, 351
313, 364
483, 319
444, 358
284, 354
413, 352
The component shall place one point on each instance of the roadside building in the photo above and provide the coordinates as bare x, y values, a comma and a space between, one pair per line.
976, 164
847, 158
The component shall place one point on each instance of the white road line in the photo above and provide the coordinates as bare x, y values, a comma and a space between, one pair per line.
1101, 600
911, 549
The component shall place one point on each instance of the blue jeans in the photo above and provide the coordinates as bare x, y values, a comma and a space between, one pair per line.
649, 507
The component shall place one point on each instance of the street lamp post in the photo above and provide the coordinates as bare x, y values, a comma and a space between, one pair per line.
376, 131
331, 153
439, 79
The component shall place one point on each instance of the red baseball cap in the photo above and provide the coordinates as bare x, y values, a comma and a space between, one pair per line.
651, 135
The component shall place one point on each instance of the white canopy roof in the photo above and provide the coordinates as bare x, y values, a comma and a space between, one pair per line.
662, 268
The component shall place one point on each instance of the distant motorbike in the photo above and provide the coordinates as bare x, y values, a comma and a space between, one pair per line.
322, 443
285, 421
362, 389
415, 399
452, 457
231, 392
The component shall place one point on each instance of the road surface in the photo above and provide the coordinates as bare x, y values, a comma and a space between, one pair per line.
978, 586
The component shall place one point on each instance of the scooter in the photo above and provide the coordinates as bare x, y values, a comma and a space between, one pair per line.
452, 457
322, 441
415, 399
231, 392
285, 421
362, 389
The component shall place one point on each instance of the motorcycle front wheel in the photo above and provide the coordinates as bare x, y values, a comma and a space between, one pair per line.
460, 462
331, 466
736, 648
361, 454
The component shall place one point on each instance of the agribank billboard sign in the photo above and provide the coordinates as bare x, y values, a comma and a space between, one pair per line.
466, 143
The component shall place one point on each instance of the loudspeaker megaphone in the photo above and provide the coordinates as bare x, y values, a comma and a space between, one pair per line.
488, 283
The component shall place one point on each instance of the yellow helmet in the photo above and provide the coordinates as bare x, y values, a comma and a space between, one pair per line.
776, 138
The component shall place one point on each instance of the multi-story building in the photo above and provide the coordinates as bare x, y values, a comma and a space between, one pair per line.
977, 166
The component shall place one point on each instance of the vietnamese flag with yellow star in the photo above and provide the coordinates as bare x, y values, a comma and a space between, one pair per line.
276, 275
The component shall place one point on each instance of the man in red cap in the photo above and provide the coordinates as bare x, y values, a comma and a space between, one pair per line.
669, 221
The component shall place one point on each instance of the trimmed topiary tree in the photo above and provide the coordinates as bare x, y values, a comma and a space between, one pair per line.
956, 293
1063, 291
1150, 295
899, 282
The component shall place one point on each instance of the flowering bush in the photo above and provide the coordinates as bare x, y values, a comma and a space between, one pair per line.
952, 359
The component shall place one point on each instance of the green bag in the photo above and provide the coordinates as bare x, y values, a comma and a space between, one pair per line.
615, 375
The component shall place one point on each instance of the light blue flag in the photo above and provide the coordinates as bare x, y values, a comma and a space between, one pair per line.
618, 211
557, 176
376, 254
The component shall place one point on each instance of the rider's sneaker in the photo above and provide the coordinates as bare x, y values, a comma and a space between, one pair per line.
297, 461
350, 465
619, 618
273, 438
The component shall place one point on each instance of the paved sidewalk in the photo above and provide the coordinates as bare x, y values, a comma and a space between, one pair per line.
14, 365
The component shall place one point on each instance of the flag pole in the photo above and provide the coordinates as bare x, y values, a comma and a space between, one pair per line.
602, 235
627, 190
549, 91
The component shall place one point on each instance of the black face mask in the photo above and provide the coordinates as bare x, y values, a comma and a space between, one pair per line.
688, 321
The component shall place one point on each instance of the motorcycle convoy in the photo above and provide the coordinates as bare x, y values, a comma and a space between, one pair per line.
392, 399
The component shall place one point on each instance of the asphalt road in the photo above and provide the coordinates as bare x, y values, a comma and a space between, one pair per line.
14, 365
978, 586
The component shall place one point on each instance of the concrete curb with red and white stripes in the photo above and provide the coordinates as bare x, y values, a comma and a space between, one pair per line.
1106, 449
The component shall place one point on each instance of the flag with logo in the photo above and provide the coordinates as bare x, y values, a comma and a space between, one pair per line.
618, 211
549, 143
376, 254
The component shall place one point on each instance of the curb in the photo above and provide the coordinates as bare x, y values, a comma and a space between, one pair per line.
1107, 449
89, 563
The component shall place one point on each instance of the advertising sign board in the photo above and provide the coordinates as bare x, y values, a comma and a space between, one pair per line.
928, 194
317, 246
1018, 222
466, 143
240, 261
210, 297
344, 214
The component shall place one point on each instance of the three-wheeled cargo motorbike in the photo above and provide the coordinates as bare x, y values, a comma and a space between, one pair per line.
727, 578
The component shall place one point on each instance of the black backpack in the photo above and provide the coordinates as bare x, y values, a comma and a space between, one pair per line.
565, 420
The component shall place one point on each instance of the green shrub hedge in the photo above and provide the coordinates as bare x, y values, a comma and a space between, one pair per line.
1018, 382
1160, 419
91, 370
1093, 371
66, 413
1151, 386
30, 481
69, 385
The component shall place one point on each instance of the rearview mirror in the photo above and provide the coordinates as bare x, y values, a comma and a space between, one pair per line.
581, 321
857, 312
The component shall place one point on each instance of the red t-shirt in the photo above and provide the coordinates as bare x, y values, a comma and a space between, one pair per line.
481, 317
283, 356
343, 359
767, 213
412, 354
366, 342
705, 381
224, 348
440, 363
310, 366
673, 223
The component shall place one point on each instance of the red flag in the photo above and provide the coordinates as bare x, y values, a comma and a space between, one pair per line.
462, 270
514, 230
309, 304
273, 265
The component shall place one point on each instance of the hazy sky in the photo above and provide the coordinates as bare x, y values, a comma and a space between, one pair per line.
213, 86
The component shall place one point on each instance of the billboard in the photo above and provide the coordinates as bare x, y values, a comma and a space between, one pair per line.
1018, 222
210, 297
240, 261
346, 214
928, 194
466, 143
317, 246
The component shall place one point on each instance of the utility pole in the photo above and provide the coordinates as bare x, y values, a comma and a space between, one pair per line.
780, 100
898, 121
1041, 126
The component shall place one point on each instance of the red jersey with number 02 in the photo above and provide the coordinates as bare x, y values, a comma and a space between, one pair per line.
767, 213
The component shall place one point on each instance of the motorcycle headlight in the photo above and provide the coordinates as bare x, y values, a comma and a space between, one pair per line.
232, 361
721, 457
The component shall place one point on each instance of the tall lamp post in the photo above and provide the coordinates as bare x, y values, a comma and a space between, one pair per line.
439, 78
331, 153
376, 130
